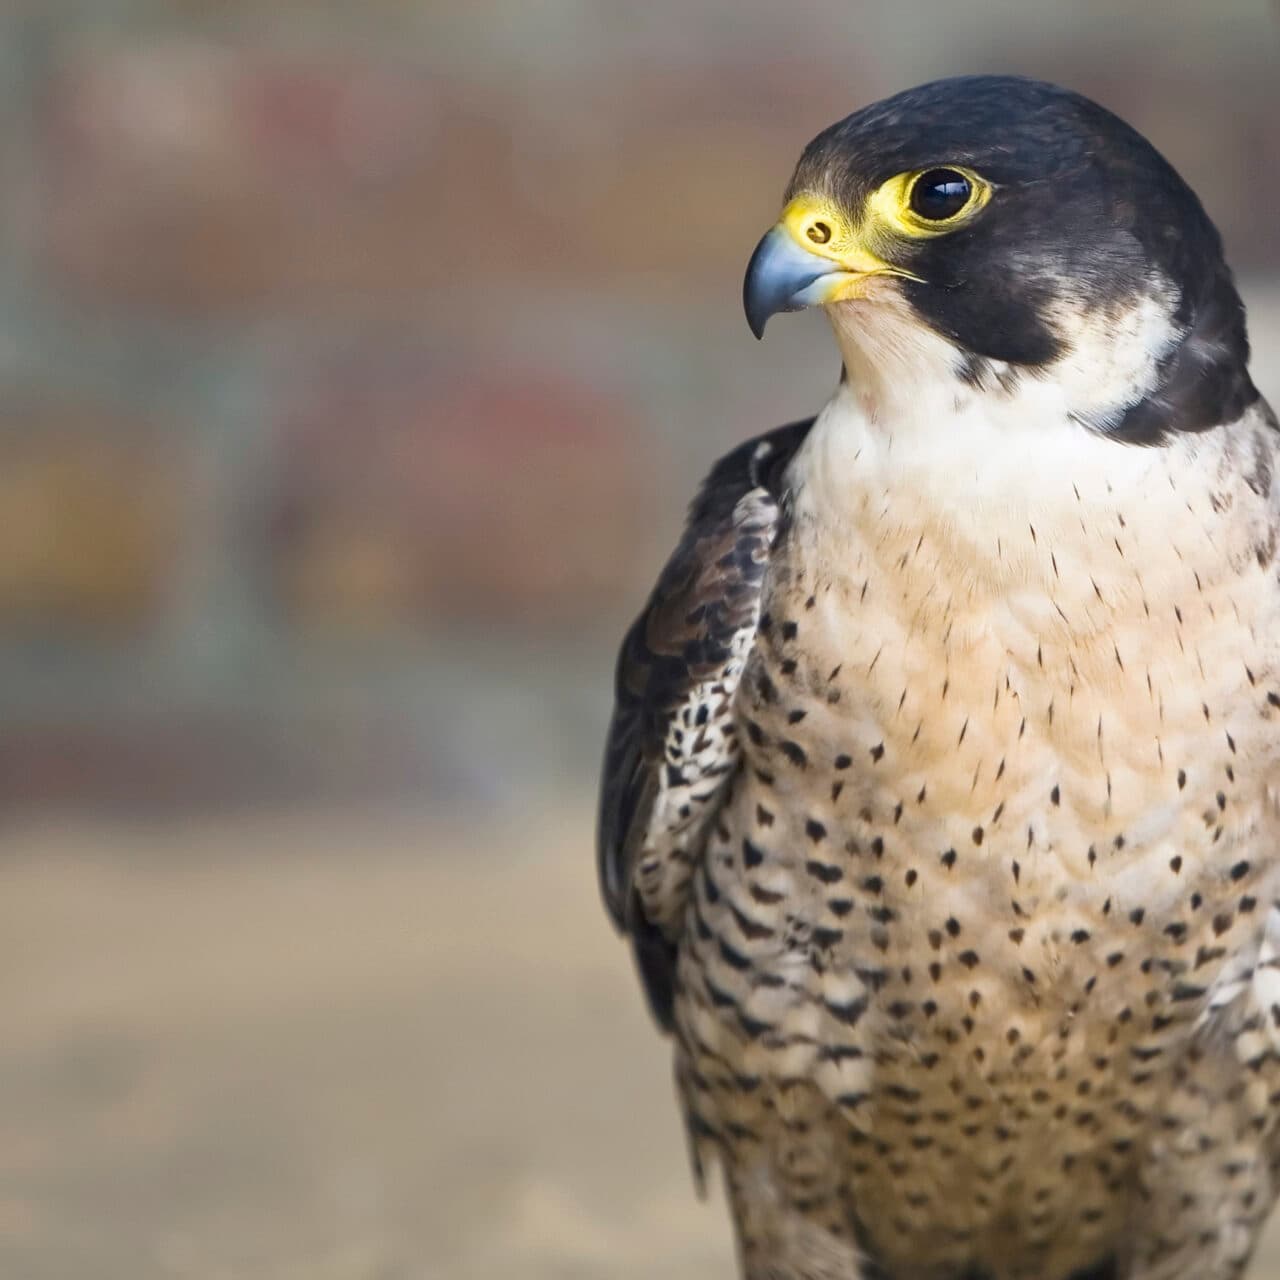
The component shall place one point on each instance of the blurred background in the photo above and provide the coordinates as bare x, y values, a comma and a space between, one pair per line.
356, 364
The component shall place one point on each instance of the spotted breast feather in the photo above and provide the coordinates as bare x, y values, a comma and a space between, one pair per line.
672, 744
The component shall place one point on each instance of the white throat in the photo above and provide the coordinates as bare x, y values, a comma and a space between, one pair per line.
907, 375
1002, 475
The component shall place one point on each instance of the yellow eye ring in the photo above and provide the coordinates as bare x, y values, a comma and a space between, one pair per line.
898, 203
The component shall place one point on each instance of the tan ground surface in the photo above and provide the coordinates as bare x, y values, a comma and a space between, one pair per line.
333, 1050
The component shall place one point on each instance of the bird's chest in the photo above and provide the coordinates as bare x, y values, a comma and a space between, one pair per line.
987, 859
1026, 808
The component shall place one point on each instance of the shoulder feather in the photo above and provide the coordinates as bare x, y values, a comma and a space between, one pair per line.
672, 742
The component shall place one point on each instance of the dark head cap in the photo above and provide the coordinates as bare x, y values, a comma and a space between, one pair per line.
1012, 211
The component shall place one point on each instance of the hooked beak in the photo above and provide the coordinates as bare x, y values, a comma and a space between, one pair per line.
782, 276
814, 255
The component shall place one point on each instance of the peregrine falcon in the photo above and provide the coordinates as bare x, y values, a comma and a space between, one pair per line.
941, 798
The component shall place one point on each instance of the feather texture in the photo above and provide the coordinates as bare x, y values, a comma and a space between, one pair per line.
672, 740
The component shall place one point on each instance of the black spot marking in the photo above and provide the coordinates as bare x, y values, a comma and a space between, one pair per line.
848, 1013
750, 928
823, 871
735, 959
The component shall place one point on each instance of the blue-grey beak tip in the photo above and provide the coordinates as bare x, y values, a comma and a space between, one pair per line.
759, 291
777, 276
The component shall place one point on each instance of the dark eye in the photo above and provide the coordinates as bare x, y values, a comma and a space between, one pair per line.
940, 194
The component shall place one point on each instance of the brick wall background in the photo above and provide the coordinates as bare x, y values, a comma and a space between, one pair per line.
356, 360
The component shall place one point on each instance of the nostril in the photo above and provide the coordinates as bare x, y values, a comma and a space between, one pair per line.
819, 233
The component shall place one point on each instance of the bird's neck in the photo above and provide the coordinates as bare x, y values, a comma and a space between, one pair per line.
971, 444
1140, 373
909, 377
1010, 472
1009, 502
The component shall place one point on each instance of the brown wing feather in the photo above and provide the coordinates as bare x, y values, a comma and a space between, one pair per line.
672, 742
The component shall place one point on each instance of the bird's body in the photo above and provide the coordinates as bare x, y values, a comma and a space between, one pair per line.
1005, 789
951, 856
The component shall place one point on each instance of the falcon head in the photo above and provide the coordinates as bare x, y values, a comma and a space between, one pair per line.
995, 228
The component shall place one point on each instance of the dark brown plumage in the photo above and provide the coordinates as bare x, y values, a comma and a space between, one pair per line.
676, 677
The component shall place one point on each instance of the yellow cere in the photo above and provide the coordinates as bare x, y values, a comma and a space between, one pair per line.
823, 229
818, 226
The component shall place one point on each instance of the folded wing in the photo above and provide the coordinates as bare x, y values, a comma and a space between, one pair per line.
672, 744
